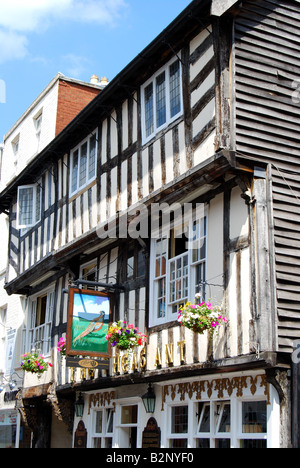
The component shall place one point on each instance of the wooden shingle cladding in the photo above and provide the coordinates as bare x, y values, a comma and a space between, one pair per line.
266, 71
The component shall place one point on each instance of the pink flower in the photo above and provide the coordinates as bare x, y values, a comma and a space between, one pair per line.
215, 324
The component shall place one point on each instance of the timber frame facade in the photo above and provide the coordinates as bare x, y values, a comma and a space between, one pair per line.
224, 136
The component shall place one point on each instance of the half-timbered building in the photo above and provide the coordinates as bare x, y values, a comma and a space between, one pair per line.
179, 179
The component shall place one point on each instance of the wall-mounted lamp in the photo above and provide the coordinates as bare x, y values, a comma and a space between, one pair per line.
149, 400
79, 406
11, 383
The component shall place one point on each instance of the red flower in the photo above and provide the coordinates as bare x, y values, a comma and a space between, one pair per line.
50, 365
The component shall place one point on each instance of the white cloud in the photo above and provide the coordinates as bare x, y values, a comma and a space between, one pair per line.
18, 18
31, 15
95, 11
75, 65
13, 46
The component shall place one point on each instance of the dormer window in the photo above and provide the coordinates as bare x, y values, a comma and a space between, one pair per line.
161, 99
38, 127
15, 146
29, 206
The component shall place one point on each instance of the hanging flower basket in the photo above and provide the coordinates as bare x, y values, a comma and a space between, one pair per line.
201, 316
35, 363
125, 337
62, 346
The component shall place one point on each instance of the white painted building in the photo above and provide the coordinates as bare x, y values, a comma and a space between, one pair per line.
32, 132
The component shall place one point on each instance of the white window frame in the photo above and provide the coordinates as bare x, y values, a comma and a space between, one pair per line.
176, 435
88, 178
39, 337
169, 119
119, 426
16, 147
236, 435
170, 316
37, 120
36, 213
107, 414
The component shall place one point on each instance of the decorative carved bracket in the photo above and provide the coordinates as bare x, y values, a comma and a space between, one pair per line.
238, 384
63, 408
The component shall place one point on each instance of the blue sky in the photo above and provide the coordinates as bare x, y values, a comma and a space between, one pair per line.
78, 38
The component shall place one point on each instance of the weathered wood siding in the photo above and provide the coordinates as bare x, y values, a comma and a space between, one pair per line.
266, 70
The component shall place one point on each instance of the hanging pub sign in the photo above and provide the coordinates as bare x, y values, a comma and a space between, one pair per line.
89, 316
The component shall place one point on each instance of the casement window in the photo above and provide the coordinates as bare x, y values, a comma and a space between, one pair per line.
103, 428
161, 99
15, 146
29, 206
135, 263
83, 164
178, 437
218, 424
40, 323
89, 272
178, 270
38, 127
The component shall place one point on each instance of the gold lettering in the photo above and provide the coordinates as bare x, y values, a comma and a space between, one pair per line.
181, 345
116, 364
134, 364
73, 374
169, 354
157, 358
143, 359
124, 363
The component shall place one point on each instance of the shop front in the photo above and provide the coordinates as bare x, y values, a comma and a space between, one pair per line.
238, 410
13, 433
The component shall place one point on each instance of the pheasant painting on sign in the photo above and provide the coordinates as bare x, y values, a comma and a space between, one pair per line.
88, 323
